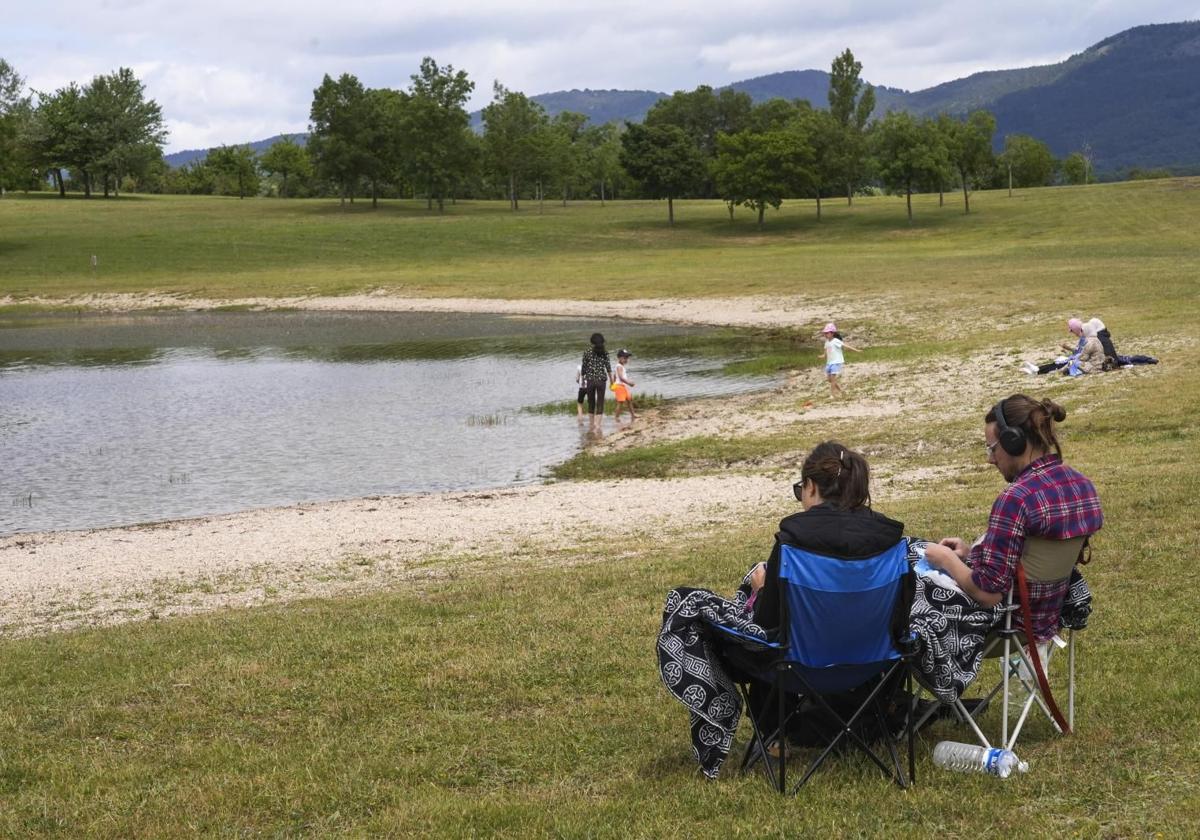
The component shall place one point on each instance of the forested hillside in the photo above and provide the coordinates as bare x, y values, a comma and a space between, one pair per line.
1132, 99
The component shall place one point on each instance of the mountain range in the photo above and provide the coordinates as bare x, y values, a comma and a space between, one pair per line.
1133, 99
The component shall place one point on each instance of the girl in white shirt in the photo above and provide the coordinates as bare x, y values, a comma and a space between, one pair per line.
834, 358
622, 385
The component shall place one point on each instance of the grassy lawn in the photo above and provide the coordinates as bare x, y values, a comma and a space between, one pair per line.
1035, 248
527, 702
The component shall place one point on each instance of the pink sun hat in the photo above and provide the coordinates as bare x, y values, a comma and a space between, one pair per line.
829, 328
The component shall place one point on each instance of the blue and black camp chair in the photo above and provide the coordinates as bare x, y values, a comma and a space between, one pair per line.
839, 639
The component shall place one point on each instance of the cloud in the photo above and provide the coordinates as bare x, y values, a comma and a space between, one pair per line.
228, 71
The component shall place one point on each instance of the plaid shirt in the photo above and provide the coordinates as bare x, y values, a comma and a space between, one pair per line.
1048, 500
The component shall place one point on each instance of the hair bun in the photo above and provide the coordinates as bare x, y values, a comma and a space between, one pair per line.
1056, 411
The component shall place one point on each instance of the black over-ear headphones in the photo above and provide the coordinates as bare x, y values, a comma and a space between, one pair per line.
1011, 438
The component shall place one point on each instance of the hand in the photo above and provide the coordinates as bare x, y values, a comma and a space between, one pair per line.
758, 576
956, 545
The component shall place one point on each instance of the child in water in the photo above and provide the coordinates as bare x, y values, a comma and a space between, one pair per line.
834, 358
622, 384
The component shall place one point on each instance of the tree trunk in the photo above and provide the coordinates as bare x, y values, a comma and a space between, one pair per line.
670, 210
541, 196
849, 194
441, 204
966, 193
761, 209
374, 194
818, 205
342, 195
87, 183
601, 192
564, 195
1010, 180
729, 206
512, 190
106, 181
908, 198
62, 185
283, 186
941, 194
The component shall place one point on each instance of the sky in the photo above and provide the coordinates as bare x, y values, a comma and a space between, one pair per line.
234, 71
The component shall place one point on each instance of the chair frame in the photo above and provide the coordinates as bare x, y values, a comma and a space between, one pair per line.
1044, 560
788, 679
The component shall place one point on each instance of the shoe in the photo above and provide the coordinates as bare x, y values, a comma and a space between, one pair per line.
777, 748
1029, 367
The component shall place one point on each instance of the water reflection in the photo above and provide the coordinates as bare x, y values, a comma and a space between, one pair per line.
108, 421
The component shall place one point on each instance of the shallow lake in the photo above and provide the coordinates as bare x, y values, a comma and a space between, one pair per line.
111, 420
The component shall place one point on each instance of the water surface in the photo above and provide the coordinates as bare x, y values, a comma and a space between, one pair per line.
110, 420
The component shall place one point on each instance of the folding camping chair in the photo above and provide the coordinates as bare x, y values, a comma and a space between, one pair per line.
838, 639
1044, 561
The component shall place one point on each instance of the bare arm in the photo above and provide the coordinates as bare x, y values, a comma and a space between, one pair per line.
946, 557
851, 347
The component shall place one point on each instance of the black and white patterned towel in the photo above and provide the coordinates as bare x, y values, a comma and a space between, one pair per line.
690, 666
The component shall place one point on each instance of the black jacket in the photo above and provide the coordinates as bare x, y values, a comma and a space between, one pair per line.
845, 534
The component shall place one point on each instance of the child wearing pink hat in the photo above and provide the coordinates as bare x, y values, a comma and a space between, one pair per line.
834, 358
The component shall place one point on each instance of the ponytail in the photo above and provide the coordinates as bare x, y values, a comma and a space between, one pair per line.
841, 475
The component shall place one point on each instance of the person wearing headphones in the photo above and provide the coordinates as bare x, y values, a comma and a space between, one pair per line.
1044, 498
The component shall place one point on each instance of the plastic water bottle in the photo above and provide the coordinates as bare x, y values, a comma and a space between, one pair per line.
952, 755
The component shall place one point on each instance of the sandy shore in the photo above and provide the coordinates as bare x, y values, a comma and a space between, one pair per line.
55, 581
750, 311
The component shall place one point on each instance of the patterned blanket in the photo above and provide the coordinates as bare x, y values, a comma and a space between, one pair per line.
949, 625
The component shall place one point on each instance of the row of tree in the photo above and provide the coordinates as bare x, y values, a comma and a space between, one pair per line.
419, 141
100, 133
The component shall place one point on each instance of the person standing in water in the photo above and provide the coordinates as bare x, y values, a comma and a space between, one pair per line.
622, 385
834, 358
597, 374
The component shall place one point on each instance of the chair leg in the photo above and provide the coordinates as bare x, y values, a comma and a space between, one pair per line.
1071, 679
781, 734
908, 724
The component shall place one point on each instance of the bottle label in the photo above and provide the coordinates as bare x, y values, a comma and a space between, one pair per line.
992, 765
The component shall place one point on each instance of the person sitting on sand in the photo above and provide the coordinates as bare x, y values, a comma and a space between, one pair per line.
1074, 364
622, 385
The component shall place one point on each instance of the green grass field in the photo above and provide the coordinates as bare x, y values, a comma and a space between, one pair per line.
525, 701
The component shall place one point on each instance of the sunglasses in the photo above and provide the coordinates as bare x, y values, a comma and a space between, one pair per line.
798, 489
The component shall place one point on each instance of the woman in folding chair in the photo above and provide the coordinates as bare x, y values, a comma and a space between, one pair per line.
1046, 506
836, 522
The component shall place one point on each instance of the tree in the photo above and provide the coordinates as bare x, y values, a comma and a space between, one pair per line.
338, 120
123, 130
57, 134
851, 102
510, 124
237, 166
1075, 168
760, 170
285, 158
602, 144
703, 114
825, 135
434, 126
663, 159
1028, 162
14, 125
969, 145
906, 152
